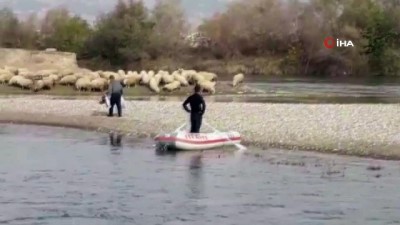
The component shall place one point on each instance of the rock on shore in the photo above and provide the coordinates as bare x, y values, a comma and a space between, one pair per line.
367, 130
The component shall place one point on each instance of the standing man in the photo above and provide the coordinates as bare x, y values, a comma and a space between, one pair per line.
197, 109
115, 91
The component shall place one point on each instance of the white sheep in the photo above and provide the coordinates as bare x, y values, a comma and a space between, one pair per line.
172, 86
39, 85
208, 86
65, 72
48, 83
153, 84
208, 76
94, 75
26, 73
188, 75
238, 78
158, 78
166, 78
54, 77
181, 79
83, 84
14, 80
151, 73
136, 73
121, 73
131, 81
145, 78
99, 84
197, 78
5, 77
108, 74
69, 80
25, 83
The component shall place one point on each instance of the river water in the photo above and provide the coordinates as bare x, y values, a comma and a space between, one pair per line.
304, 92
66, 176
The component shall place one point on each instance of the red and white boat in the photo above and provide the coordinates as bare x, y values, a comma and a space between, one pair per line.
183, 140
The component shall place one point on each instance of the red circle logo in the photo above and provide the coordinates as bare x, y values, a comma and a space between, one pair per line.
329, 42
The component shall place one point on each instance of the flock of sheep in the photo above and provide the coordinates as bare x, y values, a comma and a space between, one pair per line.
87, 80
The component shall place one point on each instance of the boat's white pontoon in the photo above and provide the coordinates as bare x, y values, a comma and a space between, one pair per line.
183, 140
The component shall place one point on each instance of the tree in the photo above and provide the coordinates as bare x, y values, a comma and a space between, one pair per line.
29, 31
9, 29
122, 35
169, 29
65, 32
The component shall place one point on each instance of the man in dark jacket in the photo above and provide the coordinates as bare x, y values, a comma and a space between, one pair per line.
115, 91
197, 109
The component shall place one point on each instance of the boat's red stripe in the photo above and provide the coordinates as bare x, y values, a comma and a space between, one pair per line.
173, 139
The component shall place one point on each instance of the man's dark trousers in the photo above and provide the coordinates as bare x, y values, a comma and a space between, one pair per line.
115, 100
195, 120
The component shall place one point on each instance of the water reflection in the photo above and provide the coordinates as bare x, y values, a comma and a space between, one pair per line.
115, 141
195, 182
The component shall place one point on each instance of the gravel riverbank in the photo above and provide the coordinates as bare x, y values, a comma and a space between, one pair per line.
364, 130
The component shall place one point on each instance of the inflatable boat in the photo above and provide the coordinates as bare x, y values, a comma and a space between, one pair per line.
183, 140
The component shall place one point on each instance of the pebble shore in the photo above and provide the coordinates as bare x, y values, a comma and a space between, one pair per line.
360, 129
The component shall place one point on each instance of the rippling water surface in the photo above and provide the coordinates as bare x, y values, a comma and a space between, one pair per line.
65, 176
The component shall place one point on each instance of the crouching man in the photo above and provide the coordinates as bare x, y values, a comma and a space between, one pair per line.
115, 90
197, 109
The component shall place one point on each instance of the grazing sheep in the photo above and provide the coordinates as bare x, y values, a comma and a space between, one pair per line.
93, 76
4, 78
208, 86
197, 78
65, 72
166, 78
208, 76
151, 73
158, 78
69, 80
39, 85
99, 84
14, 80
134, 73
121, 73
172, 86
238, 78
48, 83
83, 84
145, 79
108, 74
26, 73
153, 84
25, 83
131, 81
181, 79
54, 77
